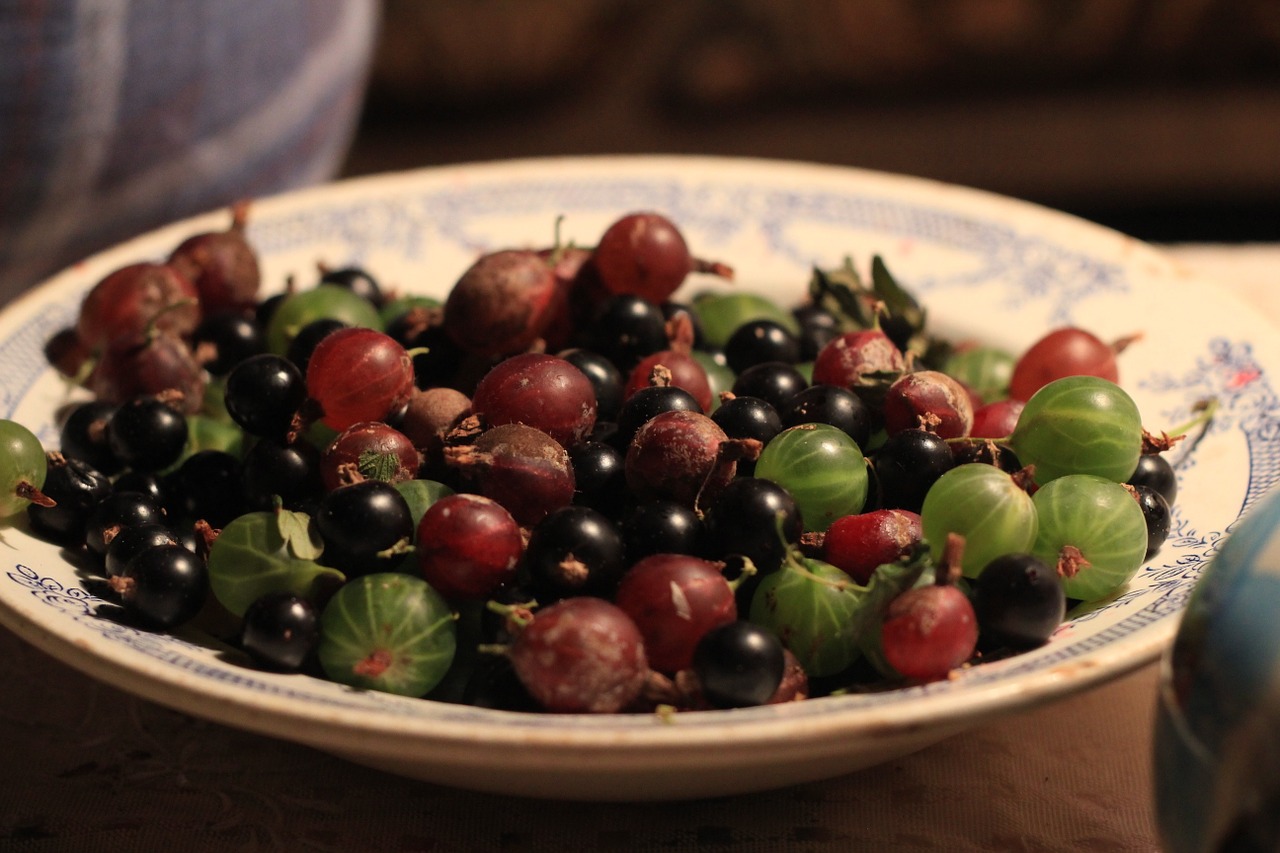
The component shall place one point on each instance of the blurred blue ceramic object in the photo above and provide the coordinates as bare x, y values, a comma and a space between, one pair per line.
1217, 738
117, 116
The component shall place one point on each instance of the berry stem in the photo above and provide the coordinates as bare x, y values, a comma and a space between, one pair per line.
517, 615
239, 214
1206, 409
949, 571
1119, 345
26, 490
745, 570
715, 268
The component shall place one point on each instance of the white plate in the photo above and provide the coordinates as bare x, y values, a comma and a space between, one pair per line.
985, 266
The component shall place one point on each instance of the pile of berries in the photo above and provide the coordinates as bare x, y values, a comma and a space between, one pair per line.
560, 489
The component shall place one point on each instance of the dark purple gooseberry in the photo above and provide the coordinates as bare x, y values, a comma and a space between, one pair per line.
222, 265
582, 654
644, 253
676, 456
675, 599
503, 303
520, 467
149, 364
542, 391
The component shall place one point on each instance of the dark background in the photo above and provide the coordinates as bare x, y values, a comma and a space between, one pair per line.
1160, 118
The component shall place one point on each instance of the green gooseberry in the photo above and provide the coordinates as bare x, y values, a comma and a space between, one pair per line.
986, 506
387, 631
1103, 525
823, 469
1079, 425
320, 302
720, 314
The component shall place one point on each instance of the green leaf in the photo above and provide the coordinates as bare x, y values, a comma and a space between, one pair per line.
841, 292
420, 495
888, 582
300, 534
900, 304
251, 558
376, 465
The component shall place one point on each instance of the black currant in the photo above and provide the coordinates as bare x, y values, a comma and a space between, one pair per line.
280, 630
575, 550
830, 404
225, 339
760, 341
164, 586
206, 486
669, 311
625, 329
661, 527
437, 358
76, 488
748, 417
116, 512
647, 403
361, 524
605, 377
1155, 472
775, 382
988, 453
83, 436
356, 279
753, 518
494, 684
1158, 516
304, 343
599, 476
818, 327
147, 434
739, 664
906, 465
1018, 601
131, 541
149, 483
264, 394
271, 470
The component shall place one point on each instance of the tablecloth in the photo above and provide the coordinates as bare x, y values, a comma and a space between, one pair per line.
87, 768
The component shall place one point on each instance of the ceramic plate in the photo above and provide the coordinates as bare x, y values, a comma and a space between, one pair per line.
986, 267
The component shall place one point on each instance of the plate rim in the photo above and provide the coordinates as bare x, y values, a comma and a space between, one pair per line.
1034, 688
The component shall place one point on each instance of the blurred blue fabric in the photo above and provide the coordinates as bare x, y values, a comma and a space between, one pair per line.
117, 116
